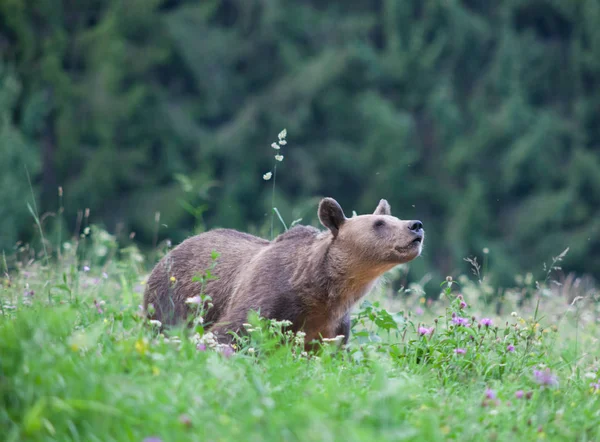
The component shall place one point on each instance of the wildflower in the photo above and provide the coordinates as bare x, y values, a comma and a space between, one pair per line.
201, 347
486, 322
275, 146
448, 278
514, 314
460, 321
194, 300
251, 350
419, 311
86, 269
425, 331
141, 346
336, 339
282, 134
462, 305
590, 375
519, 394
98, 306
486, 250
267, 176
282, 142
185, 420
155, 322
105, 275
279, 157
460, 351
172, 279
510, 348
422, 300
545, 377
227, 351
490, 394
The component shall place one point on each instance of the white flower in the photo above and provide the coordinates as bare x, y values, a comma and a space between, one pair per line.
514, 314
336, 339
267, 176
279, 157
282, 142
155, 322
275, 146
251, 350
194, 300
282, 134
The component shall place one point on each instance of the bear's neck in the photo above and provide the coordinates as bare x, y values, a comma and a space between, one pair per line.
349, 276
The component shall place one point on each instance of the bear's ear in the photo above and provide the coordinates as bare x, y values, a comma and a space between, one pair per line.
331, 215
383, 208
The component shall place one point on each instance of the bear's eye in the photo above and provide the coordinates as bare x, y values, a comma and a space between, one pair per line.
379, 223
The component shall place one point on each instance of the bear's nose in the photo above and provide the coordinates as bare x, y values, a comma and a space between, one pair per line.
415, 226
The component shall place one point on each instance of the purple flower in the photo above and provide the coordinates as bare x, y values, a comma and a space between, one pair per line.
227, 351
595, 385
460, 321
424, 331
510, 348
86, 268
545, 377
490, 394
419, 311
519, 394
460, 351
98, 306
462, 305
486, 322
201, 347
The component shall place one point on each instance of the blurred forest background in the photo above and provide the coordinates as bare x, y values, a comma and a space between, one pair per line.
479, 117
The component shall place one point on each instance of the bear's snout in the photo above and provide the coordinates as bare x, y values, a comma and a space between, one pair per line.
415, 226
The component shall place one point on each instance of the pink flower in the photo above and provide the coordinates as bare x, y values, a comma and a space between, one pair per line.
227, 351
86, 268
460, 321
490, 394
510, 348
486, 322
519, 394
460, 351
463, 305
545, 377
425, 331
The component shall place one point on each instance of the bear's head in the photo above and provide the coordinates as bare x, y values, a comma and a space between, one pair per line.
379, 239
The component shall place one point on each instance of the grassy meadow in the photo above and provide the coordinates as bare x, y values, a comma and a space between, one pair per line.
78, 361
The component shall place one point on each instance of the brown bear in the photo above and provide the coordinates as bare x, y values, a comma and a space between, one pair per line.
309, 277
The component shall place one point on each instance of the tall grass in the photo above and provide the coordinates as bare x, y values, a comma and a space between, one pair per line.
82, 363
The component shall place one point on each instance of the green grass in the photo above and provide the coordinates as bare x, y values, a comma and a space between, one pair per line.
78, 362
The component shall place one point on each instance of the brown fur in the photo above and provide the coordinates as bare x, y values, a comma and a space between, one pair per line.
306, 276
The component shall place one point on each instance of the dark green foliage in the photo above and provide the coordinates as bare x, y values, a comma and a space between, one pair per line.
479, 118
